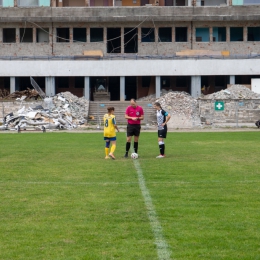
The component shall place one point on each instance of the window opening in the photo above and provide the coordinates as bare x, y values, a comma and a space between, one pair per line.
9, 35
236, 34
147, 35
165, 34
181, 34
26, 35
63, 35
219, 34
202, 34
96, 35
27, 3
130, 40
113, 40
253, 34
42, 35
79, 35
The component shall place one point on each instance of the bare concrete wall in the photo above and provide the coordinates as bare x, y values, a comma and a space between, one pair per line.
153, 48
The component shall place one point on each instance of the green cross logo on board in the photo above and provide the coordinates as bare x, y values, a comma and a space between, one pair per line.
219, 105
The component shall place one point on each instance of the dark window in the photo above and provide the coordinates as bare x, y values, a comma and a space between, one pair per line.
26, 35
169, 3
181, 81
63, 35
79, 35
42, 35
9, 35
62, 82
253, 34
181, 34
219, 34
165, 81
180, 3
165, 34
113, 40
146, 80
96, 34
130, 40
79, 82
236, 34
147, 35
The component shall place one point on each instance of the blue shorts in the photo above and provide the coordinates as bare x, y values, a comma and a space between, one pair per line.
110, 138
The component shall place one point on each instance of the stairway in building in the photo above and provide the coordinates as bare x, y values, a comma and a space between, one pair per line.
98, 109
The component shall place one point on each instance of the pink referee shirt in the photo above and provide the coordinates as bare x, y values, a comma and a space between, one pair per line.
134, 112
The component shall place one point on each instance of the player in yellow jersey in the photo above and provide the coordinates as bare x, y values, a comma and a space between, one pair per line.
110, 128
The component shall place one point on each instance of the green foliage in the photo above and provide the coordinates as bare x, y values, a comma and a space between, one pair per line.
60, 199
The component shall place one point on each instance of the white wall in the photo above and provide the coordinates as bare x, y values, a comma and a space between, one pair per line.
130, 67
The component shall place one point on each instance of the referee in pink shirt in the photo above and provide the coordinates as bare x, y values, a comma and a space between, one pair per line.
134, 114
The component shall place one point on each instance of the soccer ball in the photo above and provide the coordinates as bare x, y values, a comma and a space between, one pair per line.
134, 155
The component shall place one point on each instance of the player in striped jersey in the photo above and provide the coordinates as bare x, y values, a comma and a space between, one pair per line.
162, 118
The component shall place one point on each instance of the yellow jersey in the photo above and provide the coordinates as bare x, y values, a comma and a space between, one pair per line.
109, 125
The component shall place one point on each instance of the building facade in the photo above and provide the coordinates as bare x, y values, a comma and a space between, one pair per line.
134, 51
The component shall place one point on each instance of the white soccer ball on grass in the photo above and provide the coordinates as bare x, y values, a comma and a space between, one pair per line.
134, 155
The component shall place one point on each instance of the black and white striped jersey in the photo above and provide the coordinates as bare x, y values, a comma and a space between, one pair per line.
161, 118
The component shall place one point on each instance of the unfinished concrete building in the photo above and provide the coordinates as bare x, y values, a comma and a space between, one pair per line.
132, 48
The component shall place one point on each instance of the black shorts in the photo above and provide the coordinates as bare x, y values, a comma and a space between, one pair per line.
133, 130
162, 133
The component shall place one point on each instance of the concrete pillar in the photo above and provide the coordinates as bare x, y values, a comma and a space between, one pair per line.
189, 2
232, 79
195, 86
122, 40
211, 34
17, 31
245, 34
157, 86
12, 85
122, 88
198, 3
228, 33
86, 88
34, 34
50, 86
1, 36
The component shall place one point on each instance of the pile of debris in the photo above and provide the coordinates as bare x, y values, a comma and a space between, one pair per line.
179, 103
182, 107
152, 97
233, 92
4, 93
63, 111
28, 94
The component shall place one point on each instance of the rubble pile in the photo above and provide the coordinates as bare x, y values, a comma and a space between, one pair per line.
233, 92
152, 97
27, 94
4, 93
63, 111
179, 103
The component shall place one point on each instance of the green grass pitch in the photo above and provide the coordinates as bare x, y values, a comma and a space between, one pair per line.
60, 199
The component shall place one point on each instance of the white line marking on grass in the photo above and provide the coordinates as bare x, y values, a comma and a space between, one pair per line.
162, 246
